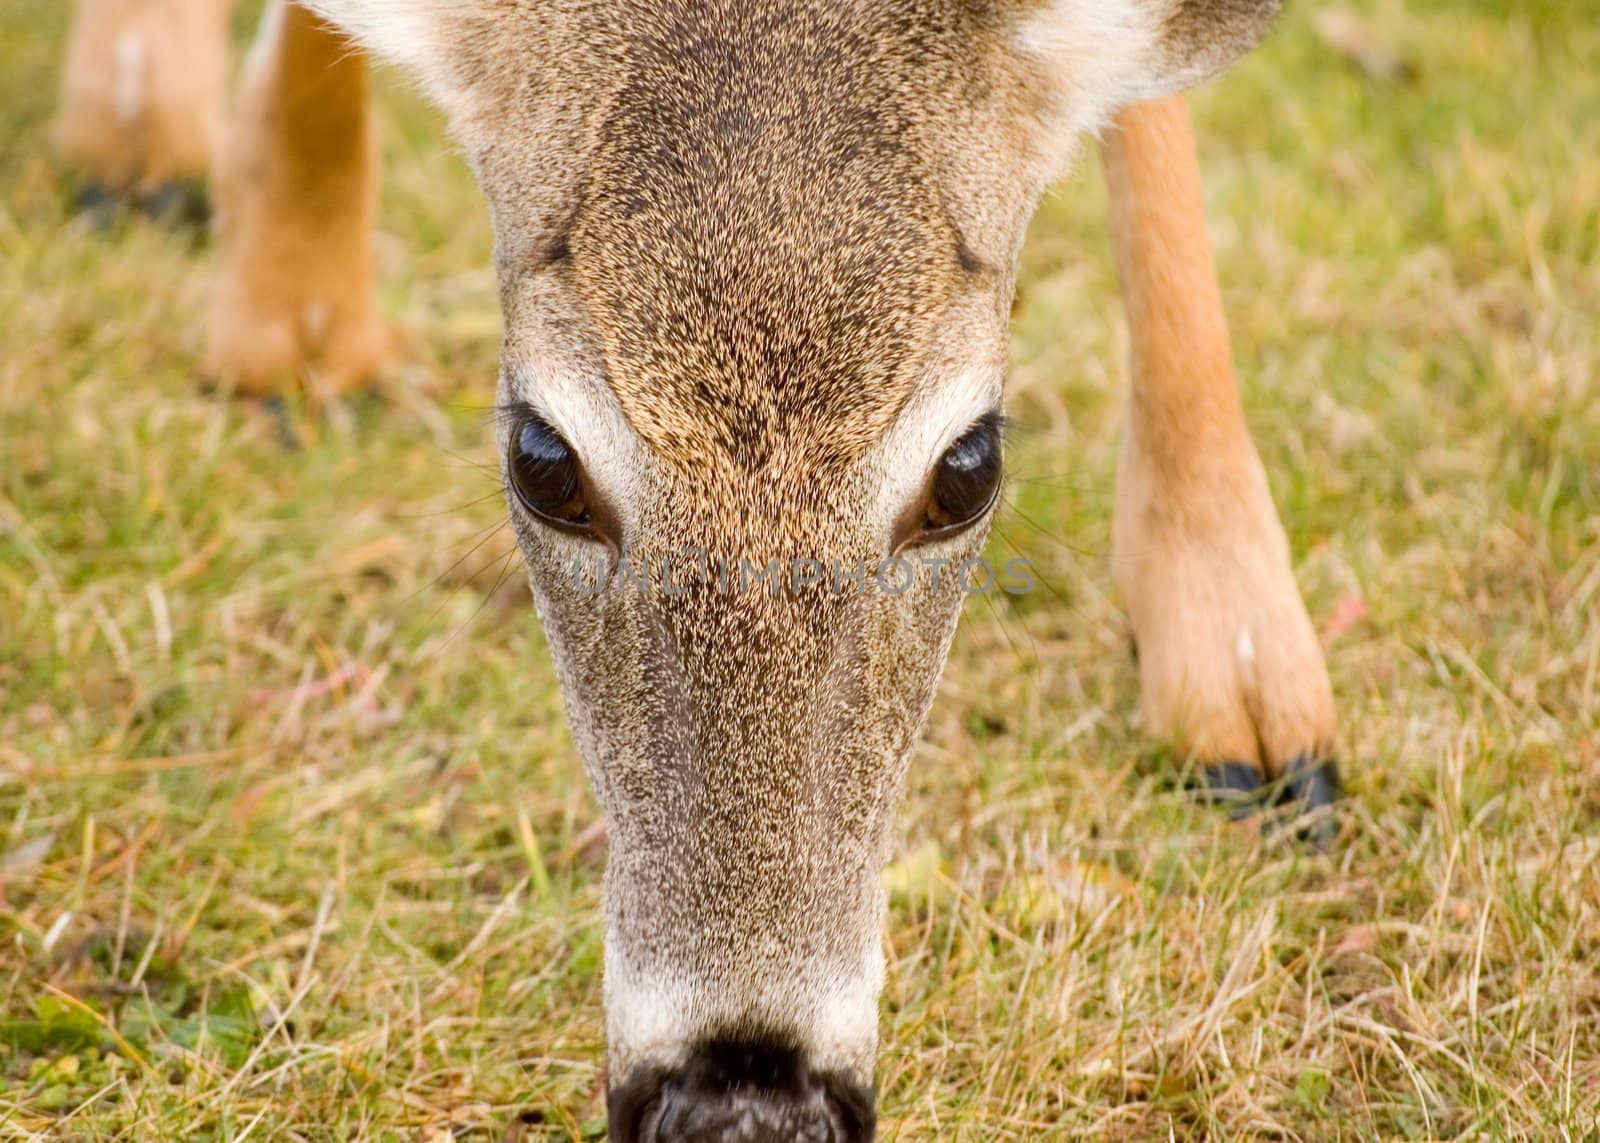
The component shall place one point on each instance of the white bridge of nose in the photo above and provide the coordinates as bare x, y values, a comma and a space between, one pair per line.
829, 1013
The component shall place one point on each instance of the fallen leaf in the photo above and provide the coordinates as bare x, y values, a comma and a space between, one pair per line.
1348, 612
1361, 939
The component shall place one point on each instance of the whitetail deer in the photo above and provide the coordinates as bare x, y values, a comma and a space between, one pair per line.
756, 259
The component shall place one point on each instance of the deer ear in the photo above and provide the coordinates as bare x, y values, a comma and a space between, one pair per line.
435, 40
1110, 53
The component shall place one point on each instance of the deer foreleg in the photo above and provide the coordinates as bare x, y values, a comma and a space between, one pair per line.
1231, 671
143, 91
296, 206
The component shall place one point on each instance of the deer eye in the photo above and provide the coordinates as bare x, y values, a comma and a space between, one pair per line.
966, 480
544, 475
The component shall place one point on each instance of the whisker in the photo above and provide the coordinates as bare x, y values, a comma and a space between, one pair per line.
1075, 549
466, 462
1051, 478
485, 534
1055, 591
1004, 630
451, 511
483, 416
500, 579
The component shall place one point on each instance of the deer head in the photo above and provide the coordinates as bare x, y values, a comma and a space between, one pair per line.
756, 260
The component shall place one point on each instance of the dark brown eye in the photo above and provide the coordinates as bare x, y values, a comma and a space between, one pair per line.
967, 479
544, 475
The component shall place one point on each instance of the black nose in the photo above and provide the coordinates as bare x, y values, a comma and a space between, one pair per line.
742, 1091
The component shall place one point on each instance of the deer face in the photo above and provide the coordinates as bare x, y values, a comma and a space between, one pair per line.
756, 261
748, 406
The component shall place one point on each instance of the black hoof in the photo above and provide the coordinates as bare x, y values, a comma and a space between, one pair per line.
179, 203
92, 197
1236, 785
278, 410
1308, 790
1302, 798
98, 204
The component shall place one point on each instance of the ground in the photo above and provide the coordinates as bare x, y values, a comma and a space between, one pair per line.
293, 844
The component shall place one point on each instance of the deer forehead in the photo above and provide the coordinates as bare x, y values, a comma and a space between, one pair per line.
738, 325
762, 243
767, 247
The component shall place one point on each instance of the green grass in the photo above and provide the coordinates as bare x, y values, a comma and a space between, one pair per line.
293, 844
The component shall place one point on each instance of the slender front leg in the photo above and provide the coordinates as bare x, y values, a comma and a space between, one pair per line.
296, 205
1230, 668
143, 91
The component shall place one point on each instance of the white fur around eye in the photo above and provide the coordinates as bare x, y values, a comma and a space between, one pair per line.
929, 424
582, 408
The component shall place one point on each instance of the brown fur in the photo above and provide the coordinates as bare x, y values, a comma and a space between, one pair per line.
296, 194
1199, 554
143, 90
756, 263
756, 249
712, 184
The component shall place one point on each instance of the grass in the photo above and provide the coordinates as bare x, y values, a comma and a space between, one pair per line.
293, 844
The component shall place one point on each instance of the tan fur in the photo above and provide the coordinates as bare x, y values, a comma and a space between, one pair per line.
296, 194
1229, 663
756, 262
143, 90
